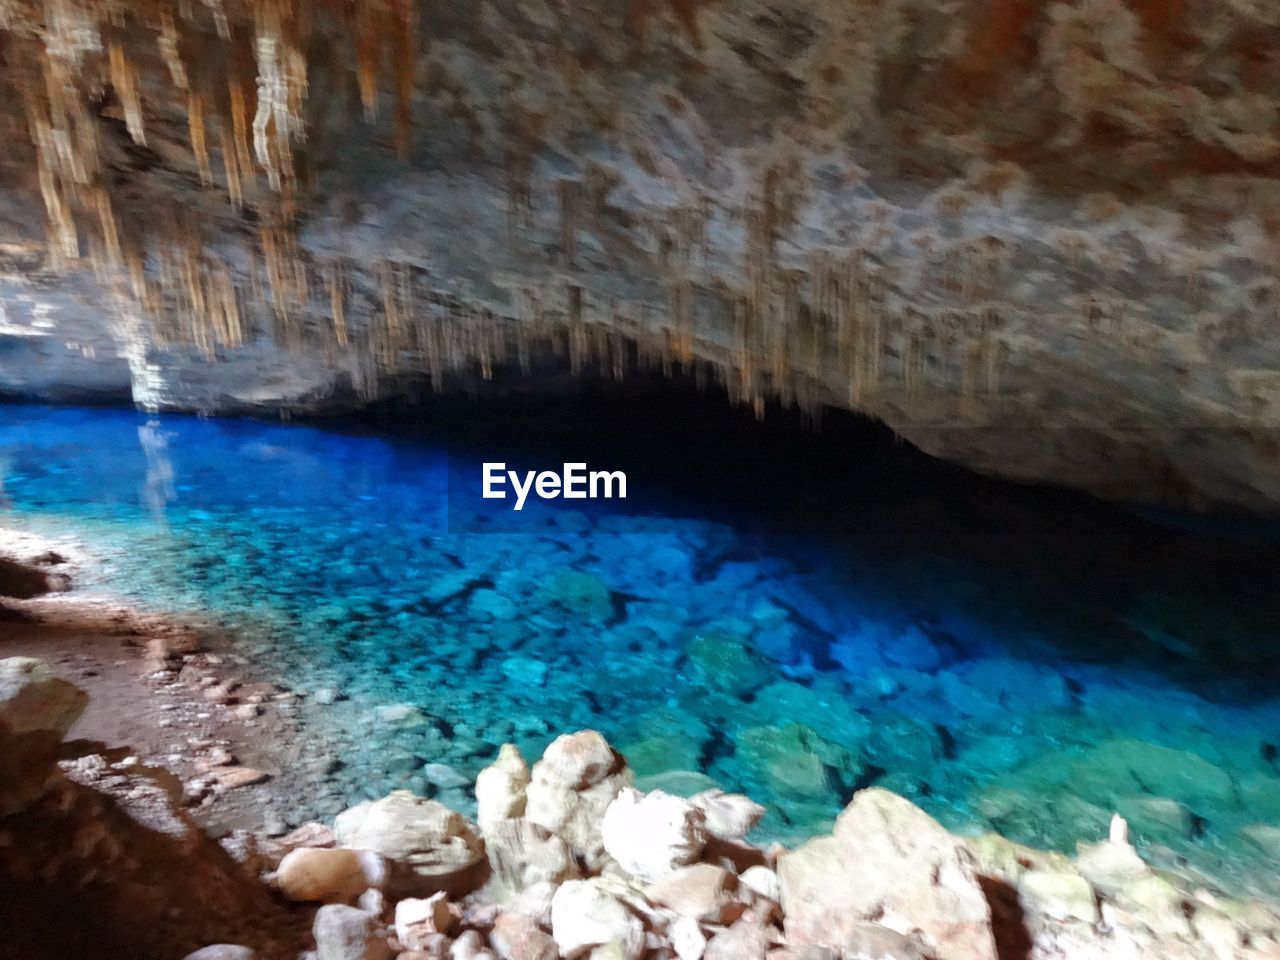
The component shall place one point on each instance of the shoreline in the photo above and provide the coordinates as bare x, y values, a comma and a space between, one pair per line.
169, 697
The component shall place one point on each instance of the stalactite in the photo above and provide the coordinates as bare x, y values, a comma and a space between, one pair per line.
199, 145
168, 44
125, 80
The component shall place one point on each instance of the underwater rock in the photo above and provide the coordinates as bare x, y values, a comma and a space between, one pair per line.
347, 933
500, 788
795, 761
33, 698
668, 751
824, 705
650, 835
890, 863
580, 595
431, 848
727, 663
584, 914
330, 876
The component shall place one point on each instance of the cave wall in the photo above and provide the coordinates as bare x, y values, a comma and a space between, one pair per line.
1034, 238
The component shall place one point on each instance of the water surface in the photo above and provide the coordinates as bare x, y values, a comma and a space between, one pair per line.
791, 613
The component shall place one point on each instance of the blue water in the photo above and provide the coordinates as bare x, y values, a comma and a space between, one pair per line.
793, 615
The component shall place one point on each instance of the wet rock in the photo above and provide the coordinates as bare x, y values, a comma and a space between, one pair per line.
517, 937
890, 863
433, 849
649, 835
702, 892
329, 876
33, 698
585, 915
346, 933
500, 788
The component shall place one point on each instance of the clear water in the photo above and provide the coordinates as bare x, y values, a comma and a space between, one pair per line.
790, 614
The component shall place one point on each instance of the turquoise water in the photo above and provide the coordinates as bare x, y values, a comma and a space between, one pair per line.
792, 614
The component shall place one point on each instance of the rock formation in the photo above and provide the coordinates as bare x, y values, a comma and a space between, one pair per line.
1035, 238
104, 838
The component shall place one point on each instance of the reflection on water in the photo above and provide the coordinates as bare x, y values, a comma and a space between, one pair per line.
790, 614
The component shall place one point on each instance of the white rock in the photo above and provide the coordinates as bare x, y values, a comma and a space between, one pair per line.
702, 891
572, 786
890, 863
416, 920
434, 843
584, 915
687, 939
651, 834
517, 937
577, 760
500, 788
222, 951
1057, 895
762, 881
345, 933
729, 816
522, 854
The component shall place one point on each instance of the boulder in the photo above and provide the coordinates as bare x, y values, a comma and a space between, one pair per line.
891, 863
577, 761
702, 892
651, 834
585, 915
517, 937
500, 788
432, 848
345, 933
329, 876
33, 698
729, 816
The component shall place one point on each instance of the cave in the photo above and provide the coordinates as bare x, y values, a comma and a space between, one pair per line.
571, 480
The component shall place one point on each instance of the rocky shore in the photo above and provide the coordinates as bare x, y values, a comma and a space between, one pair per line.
564, 859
